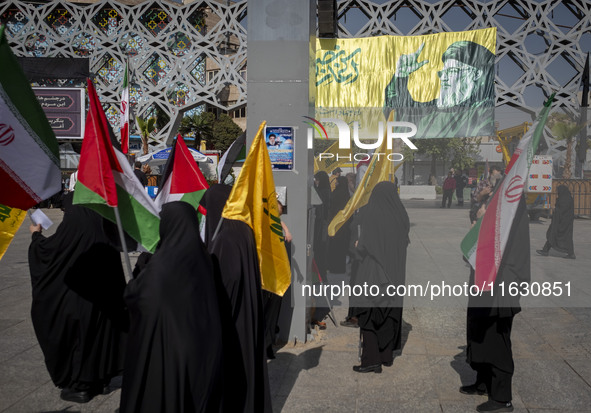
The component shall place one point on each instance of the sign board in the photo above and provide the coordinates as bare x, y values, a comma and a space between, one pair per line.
540, 174
279, 141
64, 108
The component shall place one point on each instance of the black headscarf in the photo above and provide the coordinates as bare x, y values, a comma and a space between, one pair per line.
560, 232
214, 201
174, 355
77, 309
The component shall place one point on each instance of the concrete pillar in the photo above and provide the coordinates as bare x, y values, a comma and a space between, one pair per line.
281, 53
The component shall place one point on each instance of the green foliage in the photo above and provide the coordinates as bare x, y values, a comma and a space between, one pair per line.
464, 151
218, 133
225, 131
564, 127
461, 151
145, 129
198, 126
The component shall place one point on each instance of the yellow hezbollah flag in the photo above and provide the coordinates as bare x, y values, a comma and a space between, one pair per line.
10, 221
253, 201
379, 169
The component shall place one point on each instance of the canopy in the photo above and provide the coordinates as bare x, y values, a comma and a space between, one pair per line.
161, 156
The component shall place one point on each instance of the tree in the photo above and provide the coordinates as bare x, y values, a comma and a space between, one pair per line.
145, 128
565, 128
225, 131
464, 152
200, 126
461, 151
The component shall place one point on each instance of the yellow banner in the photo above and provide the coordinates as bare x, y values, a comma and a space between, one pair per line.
356, 72
253, 201
10, 221
442, 83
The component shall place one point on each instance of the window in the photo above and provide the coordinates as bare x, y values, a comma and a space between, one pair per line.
211, 74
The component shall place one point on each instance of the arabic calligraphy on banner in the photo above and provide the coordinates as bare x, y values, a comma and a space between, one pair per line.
337, 66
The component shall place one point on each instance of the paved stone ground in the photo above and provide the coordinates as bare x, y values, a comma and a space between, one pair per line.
551, 338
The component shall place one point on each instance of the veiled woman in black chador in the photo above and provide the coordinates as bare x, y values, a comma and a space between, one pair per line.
78, 309
174, 355
381, 249
234, 254
560, 232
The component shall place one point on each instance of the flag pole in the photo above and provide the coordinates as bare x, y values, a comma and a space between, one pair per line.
217, 229
128, 272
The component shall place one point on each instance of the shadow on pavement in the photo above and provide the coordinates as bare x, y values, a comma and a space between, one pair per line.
284, 371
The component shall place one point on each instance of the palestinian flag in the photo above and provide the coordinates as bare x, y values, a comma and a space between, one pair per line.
182, 179
29, 152
485, 243
106, 180
124, 125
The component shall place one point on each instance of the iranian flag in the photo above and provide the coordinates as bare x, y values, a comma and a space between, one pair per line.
182, 179
29, 152
106, 180
124, 125
485, 243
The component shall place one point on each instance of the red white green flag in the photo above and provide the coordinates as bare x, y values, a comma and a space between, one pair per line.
124, 125
182, 179
106, 180
485, 243
29, 152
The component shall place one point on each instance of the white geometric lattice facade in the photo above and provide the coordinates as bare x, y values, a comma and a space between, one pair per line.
541, 46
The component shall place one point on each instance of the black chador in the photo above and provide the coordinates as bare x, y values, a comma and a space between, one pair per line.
78, 310
381, 250
174, 354
246, 384
490, 318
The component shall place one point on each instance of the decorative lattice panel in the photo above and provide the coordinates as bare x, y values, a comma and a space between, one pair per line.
169, 48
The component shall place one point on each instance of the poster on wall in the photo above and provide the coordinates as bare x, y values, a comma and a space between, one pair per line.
279, 141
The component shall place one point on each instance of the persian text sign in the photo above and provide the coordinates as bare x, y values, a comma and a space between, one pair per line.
64, 108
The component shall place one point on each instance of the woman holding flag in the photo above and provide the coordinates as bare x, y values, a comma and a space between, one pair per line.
490, 320
78, 309
174, 355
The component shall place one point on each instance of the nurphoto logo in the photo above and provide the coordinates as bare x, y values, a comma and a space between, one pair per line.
394, 130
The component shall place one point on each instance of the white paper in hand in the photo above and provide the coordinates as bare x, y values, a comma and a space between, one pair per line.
39, 217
